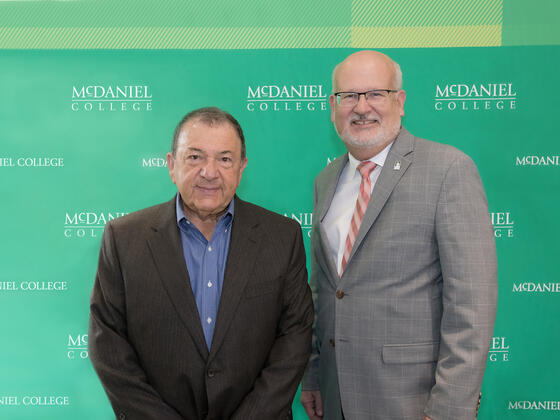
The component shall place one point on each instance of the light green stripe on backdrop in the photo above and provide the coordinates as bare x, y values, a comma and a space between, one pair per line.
432, 23
175, 24
250, 38
426, 37
174, 38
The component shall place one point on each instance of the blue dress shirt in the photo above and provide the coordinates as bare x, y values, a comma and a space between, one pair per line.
206, 264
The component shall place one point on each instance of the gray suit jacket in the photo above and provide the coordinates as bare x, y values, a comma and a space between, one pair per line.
146, 340
409, 330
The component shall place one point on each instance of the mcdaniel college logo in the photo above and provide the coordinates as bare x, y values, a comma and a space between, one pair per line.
111, 98
499, 350
87, 224
503, 224
475, 97
77, 346
286, 98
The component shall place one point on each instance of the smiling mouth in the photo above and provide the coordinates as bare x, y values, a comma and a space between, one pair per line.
365, 122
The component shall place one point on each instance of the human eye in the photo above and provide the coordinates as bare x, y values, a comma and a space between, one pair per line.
193, 158
226, 161
377, 93
348, 96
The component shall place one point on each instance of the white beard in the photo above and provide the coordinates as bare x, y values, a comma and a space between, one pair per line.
384, 135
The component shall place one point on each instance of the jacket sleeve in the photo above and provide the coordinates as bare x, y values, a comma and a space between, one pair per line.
112, 355
275, 387
311, 377
467, 255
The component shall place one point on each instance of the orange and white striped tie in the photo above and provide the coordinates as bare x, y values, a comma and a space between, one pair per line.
365, 169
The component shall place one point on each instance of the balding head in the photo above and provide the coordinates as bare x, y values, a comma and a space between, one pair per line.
369, 61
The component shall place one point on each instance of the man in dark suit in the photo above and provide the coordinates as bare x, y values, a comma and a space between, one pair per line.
201, 308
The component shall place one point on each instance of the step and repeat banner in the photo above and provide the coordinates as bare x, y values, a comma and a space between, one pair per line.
91, 92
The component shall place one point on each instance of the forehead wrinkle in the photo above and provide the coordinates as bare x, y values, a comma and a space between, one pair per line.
220, 153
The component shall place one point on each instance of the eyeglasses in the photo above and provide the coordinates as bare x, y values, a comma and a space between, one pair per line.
373, 97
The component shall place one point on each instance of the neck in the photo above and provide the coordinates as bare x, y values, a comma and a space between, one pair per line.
206, 227
204, 222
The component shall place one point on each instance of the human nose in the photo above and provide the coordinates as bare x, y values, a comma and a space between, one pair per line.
210, 169
363, 105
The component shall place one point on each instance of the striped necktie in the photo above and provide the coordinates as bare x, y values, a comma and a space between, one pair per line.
365, 169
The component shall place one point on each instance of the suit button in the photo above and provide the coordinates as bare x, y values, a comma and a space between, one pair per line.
331, 342
122, 416
211, 373
339, 294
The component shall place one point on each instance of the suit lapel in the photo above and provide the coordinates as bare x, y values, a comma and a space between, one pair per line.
396, 164
165, 245
242, 254
325, 199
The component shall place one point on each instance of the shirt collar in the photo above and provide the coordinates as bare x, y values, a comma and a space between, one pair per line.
181, 214
378, 159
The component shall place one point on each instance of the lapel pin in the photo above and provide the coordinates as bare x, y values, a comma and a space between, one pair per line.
397, 166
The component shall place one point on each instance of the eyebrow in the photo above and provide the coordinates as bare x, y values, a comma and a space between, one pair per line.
195, 149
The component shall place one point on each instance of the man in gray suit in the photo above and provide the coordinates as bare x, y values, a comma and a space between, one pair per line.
404, 281
201, 308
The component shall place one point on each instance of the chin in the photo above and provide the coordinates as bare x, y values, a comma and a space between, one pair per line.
368, 142
380, 137
208, 206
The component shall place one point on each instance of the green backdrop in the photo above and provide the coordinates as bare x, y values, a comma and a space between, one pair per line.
92, 90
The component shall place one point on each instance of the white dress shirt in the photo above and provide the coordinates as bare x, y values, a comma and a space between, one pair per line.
339, 215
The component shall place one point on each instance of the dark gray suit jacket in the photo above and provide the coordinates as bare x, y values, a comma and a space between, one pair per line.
146, 340
409, 330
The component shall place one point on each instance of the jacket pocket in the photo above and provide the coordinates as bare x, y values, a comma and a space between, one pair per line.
411, 353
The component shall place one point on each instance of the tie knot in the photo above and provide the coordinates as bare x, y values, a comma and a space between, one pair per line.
365, 168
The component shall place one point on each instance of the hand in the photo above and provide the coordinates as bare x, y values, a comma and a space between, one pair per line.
313, 404
426, 417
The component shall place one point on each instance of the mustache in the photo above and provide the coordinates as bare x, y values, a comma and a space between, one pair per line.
359, 117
